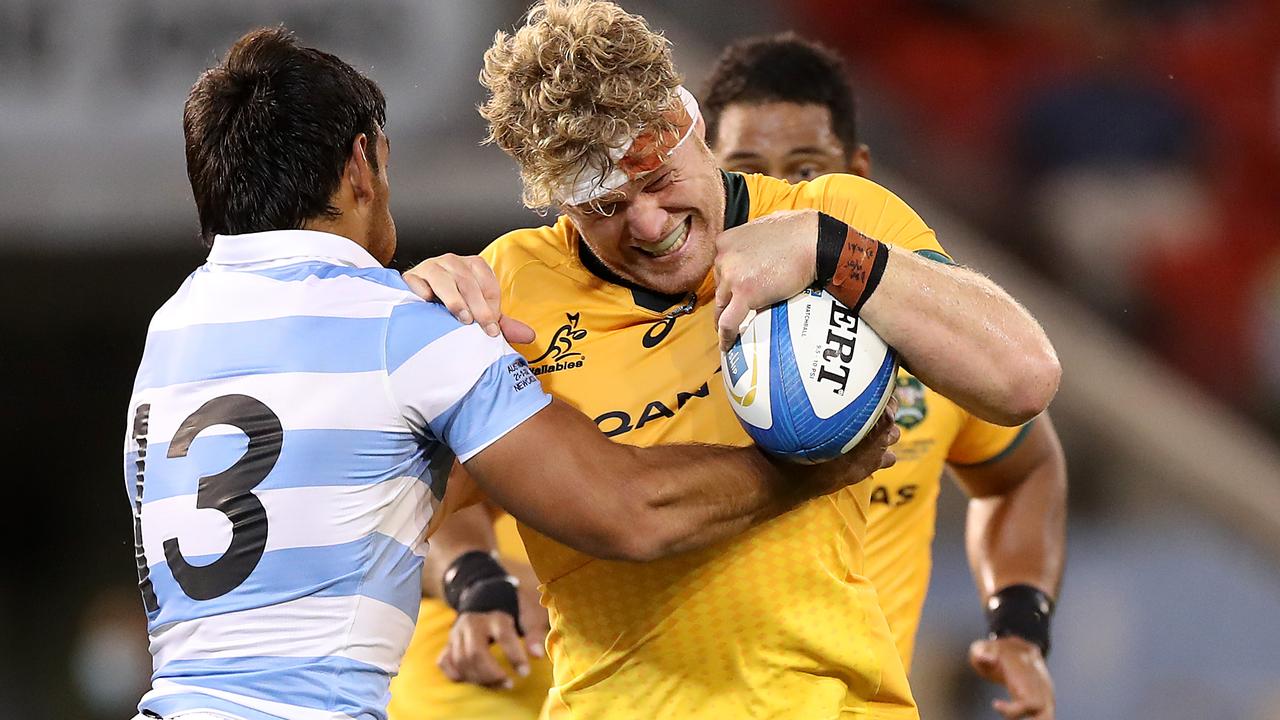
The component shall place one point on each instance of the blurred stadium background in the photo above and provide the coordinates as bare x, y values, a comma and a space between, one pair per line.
1115, 164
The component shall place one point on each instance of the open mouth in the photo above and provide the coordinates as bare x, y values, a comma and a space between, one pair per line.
670, 242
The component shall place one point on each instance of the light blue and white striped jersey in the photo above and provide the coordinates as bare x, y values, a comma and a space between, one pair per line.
290, 431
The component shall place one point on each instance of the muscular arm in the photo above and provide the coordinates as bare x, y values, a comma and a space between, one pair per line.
1015, 537
465, 530
956, 330
1016, 525
557, 473
964, 336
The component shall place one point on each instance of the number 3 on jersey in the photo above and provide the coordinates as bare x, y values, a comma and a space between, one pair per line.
229, 492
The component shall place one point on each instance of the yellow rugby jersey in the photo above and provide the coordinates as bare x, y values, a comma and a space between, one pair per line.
422, 692
776, 623
904, 498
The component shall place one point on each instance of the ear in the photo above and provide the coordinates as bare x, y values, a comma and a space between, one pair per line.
358, 173
860, 161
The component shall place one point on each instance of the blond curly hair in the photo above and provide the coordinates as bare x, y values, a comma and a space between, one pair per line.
580, 78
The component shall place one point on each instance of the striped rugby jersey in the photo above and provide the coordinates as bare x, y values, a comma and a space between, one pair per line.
291, 428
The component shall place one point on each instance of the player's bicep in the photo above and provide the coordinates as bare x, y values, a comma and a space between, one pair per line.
542, 472
1034, 447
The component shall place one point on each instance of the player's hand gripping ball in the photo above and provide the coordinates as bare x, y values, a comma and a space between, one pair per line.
807, 379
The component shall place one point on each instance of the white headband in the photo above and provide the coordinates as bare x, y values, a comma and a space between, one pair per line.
587, 184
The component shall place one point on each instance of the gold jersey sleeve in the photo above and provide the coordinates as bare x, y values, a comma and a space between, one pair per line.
981, 442
422, 692
858, 202
777, 623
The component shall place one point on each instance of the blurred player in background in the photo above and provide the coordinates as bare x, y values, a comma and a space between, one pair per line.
297, 410
779, 623
783, 106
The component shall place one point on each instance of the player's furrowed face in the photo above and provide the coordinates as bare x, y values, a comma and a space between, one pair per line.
659, 230
784, 140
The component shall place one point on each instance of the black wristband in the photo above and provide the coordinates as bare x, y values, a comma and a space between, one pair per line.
1021, 611
493, 595
477, 582
873, 280
831, 236
849, 265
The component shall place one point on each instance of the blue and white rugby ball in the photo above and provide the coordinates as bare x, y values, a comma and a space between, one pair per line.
807, 379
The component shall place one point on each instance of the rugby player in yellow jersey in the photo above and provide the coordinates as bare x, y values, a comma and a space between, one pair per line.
783, 106
779, 623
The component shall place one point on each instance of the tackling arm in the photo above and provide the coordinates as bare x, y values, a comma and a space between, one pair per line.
466, 530
557, 473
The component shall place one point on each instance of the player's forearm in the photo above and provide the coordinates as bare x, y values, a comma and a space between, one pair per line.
558, 474
690, 496
964, 336
1018, 537
465, 530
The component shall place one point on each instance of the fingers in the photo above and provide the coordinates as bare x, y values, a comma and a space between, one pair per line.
536, 626
513, 647
474, 660
885, 432
1015, 710
722, 294
418, 286
473, 298
892, 434
464, 285
466, 657
888, 460
533, 616
445, 663
444, 287
729, 320
536, 645
1019, 667
985, 662
891, 408
490, 294
516, 332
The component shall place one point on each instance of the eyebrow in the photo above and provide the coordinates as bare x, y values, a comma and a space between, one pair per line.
809, 150
744, 155
655, 176
609, 198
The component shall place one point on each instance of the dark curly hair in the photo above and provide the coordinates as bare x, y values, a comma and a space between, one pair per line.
268, 131
782, 68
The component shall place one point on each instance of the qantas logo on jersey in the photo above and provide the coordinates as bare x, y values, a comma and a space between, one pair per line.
621, 422
560, 354
884, 495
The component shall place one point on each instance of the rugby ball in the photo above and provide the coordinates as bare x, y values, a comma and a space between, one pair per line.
807, 379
